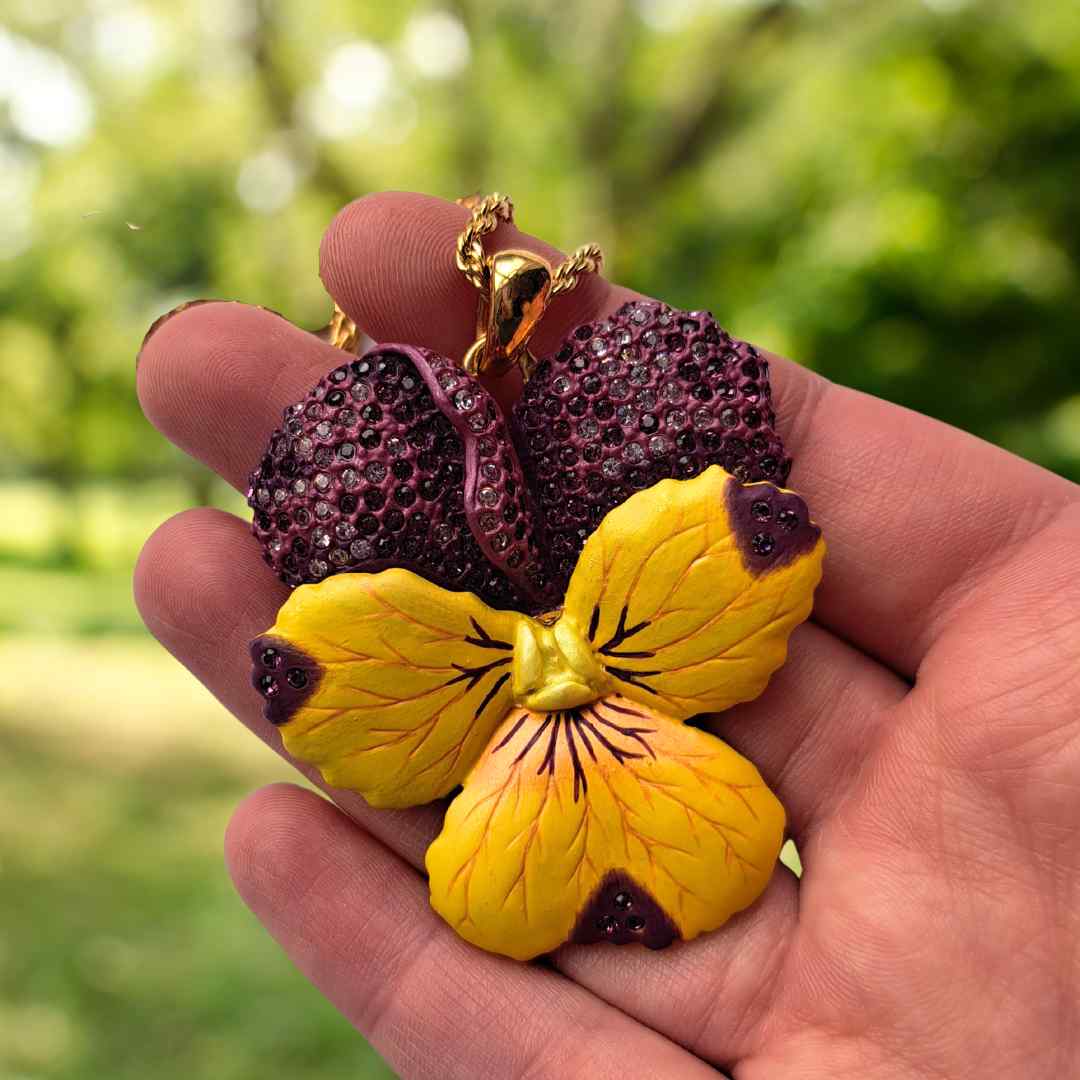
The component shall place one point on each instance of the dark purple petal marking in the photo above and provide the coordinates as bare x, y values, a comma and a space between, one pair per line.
483, 640
623, 912
610, 647
496, 686
594, 622
635, 733
772, 527
472, 675
581, 781
579, 725
284, 675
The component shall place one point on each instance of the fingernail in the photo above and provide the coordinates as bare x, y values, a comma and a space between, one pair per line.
161, 320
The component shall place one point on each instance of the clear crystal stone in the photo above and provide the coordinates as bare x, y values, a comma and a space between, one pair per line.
323, 428
361, 549
350, 478
611, 468
375, 471
444, 533
702, 418
588, 428
317, 568
488, 496
299, 487
320, 538
658, 446
676, 418
632, 453
323, 510
395, 446
561, 384
464, 400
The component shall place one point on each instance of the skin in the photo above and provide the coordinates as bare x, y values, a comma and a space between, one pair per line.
924, 737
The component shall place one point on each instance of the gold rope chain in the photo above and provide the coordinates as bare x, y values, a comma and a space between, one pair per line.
487, 212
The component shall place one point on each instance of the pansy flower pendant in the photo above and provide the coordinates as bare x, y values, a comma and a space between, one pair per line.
483, 611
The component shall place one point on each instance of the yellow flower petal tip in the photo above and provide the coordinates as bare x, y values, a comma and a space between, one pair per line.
588, 812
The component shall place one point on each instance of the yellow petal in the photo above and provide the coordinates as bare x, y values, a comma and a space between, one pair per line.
403, 682
607, 822
689, 590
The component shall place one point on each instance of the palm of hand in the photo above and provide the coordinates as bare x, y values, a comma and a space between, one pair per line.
934, 930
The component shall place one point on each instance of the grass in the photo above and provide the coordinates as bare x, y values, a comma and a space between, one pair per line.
124, 952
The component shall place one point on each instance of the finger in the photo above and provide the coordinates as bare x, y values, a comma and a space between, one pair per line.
915, 512
388, 260
204, 593
214, 379
356, 921
912, 509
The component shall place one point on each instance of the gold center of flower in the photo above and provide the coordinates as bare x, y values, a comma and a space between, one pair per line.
555, 668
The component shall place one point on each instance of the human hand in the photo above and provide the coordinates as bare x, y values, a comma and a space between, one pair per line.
924, 737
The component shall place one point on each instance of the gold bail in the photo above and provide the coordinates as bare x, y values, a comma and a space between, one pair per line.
515, 287
520, 284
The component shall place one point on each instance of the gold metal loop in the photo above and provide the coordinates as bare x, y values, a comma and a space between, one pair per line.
342, 332
515, 287
487, 212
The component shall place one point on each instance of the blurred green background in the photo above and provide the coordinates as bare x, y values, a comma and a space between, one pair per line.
888, 190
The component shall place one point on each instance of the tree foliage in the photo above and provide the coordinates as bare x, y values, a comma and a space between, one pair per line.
884, 190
